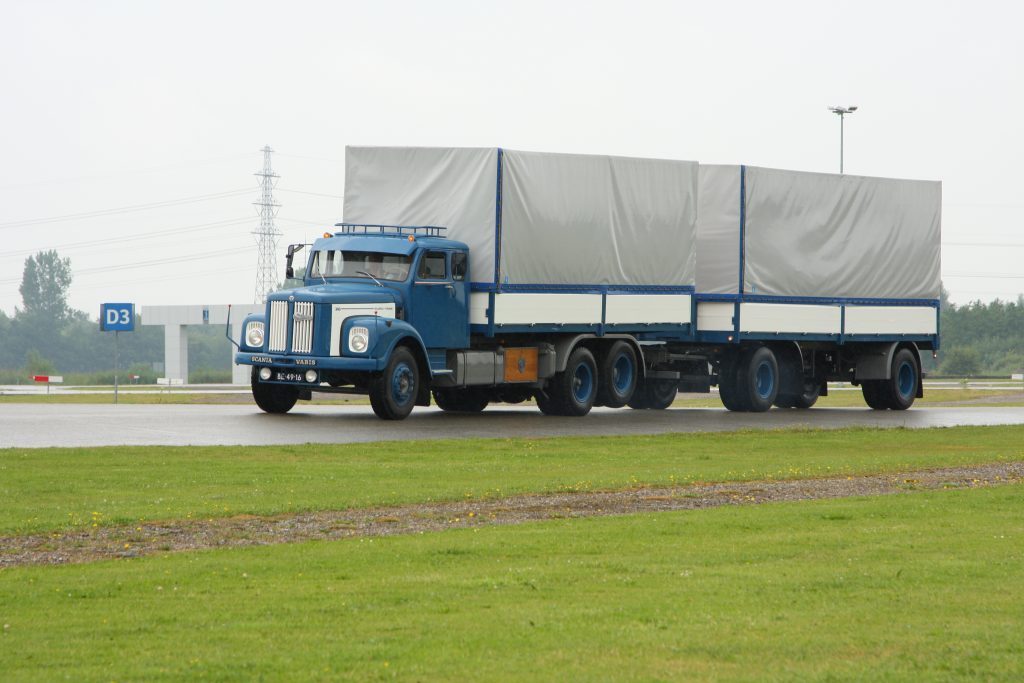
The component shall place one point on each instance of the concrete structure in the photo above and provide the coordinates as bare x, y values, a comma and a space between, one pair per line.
175, 319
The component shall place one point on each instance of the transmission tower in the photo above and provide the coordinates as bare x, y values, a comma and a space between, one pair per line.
266, 234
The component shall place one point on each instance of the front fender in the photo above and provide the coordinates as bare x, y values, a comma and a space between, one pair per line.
385, 335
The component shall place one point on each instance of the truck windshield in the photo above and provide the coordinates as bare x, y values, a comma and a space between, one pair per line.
332, 263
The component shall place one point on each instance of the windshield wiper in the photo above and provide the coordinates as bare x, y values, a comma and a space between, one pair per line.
363, 272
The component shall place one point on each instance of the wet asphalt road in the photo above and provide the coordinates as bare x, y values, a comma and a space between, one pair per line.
34, 425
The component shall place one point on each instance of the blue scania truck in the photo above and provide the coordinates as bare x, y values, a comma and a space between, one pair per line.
470, 276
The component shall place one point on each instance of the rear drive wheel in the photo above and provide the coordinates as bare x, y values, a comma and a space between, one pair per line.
460, 400
654, 394
273, 398
618, 375
800, 401
573, 391
393, 391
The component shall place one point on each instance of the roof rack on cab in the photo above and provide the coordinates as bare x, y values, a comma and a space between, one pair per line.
390, 230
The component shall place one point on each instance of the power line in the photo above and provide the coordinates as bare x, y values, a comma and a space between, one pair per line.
133, 238
129, 172
123, 209
314, 194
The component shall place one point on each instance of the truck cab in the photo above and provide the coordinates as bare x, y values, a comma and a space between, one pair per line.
379, 309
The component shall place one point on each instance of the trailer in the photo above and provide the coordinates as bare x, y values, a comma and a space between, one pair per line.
470, 276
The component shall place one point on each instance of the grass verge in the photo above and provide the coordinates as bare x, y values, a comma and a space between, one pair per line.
914, 587
60, 488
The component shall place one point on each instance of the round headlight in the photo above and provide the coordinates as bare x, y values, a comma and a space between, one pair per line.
358, 339
265, 374
254, 335
310, 376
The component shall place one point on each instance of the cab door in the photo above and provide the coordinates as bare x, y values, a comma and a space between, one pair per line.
438, 307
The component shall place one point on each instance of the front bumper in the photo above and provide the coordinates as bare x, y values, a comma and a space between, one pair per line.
303, 363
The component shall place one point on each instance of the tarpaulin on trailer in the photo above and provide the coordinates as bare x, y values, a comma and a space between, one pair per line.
448, 187
820, 235
718, 229
566, 219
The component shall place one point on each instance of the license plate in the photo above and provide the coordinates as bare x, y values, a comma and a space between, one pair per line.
288, 376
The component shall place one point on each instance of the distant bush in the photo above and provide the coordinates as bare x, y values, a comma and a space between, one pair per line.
209, 376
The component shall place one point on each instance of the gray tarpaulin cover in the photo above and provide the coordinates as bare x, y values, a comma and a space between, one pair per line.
718, 230
821, 235
567, 219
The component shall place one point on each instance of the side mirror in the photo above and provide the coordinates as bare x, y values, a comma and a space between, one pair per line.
293, 249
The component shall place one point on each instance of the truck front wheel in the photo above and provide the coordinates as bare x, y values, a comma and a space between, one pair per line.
393, 391
273, 398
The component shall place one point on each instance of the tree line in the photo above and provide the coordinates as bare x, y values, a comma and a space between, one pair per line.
46, 336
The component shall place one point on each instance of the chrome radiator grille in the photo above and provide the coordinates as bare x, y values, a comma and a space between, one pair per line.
302, 327
278, 326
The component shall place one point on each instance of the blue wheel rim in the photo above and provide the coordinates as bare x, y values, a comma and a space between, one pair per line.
403, 384
906, 379
582, 383
622, 373
764, 380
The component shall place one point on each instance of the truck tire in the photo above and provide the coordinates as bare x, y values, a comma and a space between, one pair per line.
573, 391
800, 401
276, 399
654, 394
460, 400
899, 391
617, 376
728, 388
872, 390
757, 379
393, 391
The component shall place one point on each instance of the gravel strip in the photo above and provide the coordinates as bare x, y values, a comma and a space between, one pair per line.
181, 535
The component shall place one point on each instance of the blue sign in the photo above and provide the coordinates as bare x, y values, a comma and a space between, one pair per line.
117, 317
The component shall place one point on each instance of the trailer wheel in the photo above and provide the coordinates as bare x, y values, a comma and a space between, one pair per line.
757, 379
393, 392
872, 390
572, 392
618, 375
460, 400
729, 388
800, 401
276, 399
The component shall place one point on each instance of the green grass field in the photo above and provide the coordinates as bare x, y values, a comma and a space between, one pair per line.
57, 488
917, 587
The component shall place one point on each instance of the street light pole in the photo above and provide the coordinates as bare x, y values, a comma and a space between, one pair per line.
842, 111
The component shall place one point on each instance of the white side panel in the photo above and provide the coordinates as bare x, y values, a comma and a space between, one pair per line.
478, 308
647, 308
890, 320
568, 309
793, 318
341, 311
715, 317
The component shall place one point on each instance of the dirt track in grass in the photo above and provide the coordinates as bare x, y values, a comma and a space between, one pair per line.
188, 535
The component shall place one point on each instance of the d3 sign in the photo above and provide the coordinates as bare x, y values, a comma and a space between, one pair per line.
117, 317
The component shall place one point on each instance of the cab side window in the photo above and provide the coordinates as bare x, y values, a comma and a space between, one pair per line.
432, 266
459, 265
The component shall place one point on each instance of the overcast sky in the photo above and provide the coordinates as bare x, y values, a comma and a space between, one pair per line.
113, 105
